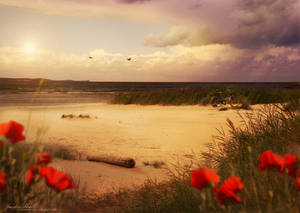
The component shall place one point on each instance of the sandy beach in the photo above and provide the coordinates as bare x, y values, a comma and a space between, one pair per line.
145, 133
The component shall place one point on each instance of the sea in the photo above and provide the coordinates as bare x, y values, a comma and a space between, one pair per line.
16, 91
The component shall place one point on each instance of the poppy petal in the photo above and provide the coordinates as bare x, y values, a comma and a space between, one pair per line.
44, 158
3, 181
12, 131
270, 160
290, 162
228, 189
202, 177
57, 179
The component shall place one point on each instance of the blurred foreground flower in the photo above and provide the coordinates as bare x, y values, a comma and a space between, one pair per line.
202, 177
270, 160
57, 179
290, 162
228, 189
12, 131
33, 171
54, 178
2, 181
44, 158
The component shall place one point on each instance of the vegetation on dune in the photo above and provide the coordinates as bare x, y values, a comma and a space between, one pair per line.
204, 96
237, 157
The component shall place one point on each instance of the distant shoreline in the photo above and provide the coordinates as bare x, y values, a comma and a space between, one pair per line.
48, 92
12, 85
58, 98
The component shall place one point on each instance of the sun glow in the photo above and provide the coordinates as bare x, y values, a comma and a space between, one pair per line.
29, 47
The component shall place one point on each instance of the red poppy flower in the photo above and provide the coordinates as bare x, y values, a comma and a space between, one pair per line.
12, 131
290, 162
203, 176
31, 174
57, 179
44, 158
296, 183
270, 160
228, 189
3, 182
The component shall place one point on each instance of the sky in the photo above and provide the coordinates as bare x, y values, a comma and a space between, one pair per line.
167, 40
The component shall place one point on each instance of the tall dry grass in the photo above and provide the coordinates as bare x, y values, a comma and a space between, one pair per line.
237, 153
204, 96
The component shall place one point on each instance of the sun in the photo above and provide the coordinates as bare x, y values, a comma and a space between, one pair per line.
30, 47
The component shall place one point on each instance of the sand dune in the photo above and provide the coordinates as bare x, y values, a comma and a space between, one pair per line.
145, 133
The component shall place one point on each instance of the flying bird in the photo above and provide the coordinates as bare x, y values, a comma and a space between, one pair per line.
128, 59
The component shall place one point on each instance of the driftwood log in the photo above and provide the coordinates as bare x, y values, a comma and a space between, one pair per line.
125, 162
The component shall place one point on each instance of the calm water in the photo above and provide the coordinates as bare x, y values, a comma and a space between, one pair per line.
33, 85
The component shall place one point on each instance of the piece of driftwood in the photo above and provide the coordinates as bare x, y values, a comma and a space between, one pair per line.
67, 116
125, 162
74, 116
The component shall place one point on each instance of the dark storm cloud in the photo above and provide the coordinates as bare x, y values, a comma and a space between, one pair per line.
263, 22
247, 67
250, 24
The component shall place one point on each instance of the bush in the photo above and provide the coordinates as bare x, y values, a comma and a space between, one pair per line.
192, 96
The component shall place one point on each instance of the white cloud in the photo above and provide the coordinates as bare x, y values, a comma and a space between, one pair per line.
180, 63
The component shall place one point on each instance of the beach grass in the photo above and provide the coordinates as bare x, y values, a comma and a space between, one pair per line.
273, 127
204, 96
56, 150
